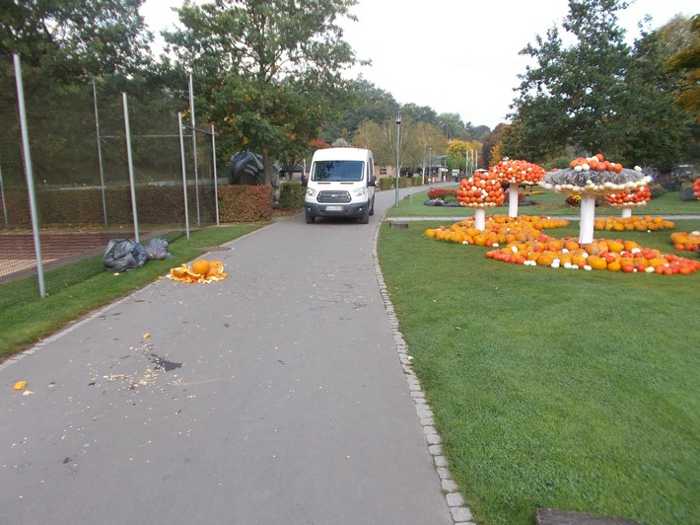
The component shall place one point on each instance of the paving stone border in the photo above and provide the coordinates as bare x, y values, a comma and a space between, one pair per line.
459, 511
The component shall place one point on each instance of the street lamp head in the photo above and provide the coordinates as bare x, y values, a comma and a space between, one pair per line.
398, 118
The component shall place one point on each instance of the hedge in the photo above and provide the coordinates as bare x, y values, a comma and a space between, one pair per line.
156, 205
389, 183
291, 195
241, 203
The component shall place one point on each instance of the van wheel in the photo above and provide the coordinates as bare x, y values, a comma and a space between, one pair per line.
364, 218
310, 219
371, 209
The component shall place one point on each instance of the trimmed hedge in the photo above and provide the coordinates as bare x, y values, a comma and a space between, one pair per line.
241, 203
156, 205
291, 195
389, 183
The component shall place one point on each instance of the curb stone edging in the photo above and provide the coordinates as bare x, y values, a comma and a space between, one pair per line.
459, 511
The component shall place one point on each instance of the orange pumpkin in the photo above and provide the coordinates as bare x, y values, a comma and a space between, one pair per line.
201, 267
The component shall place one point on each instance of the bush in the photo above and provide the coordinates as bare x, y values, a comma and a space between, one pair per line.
241, 203
442, 193
385, 183
292, 195
417, 180
657, 190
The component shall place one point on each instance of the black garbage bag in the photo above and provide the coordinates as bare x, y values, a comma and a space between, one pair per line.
157, 249
123, 254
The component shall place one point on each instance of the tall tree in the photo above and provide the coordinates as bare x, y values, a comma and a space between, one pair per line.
72, 39
269, 68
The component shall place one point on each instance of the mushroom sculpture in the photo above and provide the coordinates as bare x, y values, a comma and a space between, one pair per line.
696, 188
482, 190
590, 177
517, 173
629, 199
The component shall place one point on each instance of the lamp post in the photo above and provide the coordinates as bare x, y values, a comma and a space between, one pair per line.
398, 157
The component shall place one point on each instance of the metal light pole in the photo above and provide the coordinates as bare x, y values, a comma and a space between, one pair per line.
2, 197
29, 173
184, 174
130, 160
194, 151
430, 164
398, 157
99, 152
216, 178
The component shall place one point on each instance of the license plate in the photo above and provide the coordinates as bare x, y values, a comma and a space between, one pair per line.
334, 208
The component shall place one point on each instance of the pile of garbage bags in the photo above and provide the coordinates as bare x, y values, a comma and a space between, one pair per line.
124, 254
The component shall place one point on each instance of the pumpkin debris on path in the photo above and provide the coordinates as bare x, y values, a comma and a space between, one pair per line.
201, 271
20, 385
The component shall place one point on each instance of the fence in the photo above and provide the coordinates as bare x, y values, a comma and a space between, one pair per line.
84, 162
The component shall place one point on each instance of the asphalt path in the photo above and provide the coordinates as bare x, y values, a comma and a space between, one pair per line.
275, 396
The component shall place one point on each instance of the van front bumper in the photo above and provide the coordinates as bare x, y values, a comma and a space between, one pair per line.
353, 209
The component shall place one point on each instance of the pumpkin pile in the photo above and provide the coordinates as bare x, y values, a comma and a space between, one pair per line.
696, 188
499, 229
202, 271
610, 255
628, 199
595, 163
640, 224
686, 242
482, 190
518, 172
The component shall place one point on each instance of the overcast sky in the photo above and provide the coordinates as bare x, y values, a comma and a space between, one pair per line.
456, 56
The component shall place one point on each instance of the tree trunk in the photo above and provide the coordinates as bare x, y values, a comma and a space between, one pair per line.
267, 166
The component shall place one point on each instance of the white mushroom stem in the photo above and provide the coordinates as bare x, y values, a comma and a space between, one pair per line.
480, 219
513, 200
626, 213
587, 219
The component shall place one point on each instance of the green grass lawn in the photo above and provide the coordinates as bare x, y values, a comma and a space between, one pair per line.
75, 289
548, 203
555, 388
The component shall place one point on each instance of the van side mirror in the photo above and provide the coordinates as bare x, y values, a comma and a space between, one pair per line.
372, 181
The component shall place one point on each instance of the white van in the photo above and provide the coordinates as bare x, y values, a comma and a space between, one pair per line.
341, 184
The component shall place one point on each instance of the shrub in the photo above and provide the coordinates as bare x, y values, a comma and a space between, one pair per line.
442, 193
291, 195
385, 183
242, 203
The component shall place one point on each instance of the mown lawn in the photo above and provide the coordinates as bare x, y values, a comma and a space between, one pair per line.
555, 388
75, 289
548, 203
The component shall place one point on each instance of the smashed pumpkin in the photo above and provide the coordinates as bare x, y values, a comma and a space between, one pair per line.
202, 271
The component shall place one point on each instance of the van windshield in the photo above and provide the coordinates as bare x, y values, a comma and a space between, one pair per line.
338, 170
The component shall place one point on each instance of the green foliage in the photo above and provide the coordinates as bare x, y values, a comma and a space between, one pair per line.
386, 183
268, 71
291, 195
71, 39
597, 94
416, 138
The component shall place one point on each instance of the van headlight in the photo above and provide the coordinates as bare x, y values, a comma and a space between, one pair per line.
310, 192
360, 192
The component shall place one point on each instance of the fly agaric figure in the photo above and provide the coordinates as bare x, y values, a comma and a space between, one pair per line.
696, 188
482, 190
629, 199
589, 178
517, 173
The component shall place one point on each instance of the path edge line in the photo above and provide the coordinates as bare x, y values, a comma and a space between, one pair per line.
459, 511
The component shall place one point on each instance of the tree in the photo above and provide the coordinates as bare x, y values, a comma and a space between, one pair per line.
492, 141
268, 69
686, 61
657, 130
597, 94
457, 152
74, 39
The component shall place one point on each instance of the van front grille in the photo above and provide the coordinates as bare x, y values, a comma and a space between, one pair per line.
334, 196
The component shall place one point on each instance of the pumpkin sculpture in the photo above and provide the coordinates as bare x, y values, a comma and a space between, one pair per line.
628, 199
516, 173
589, 177
202, 271
482, 190
696, 188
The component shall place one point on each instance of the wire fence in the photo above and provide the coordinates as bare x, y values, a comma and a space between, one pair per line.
85, 162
